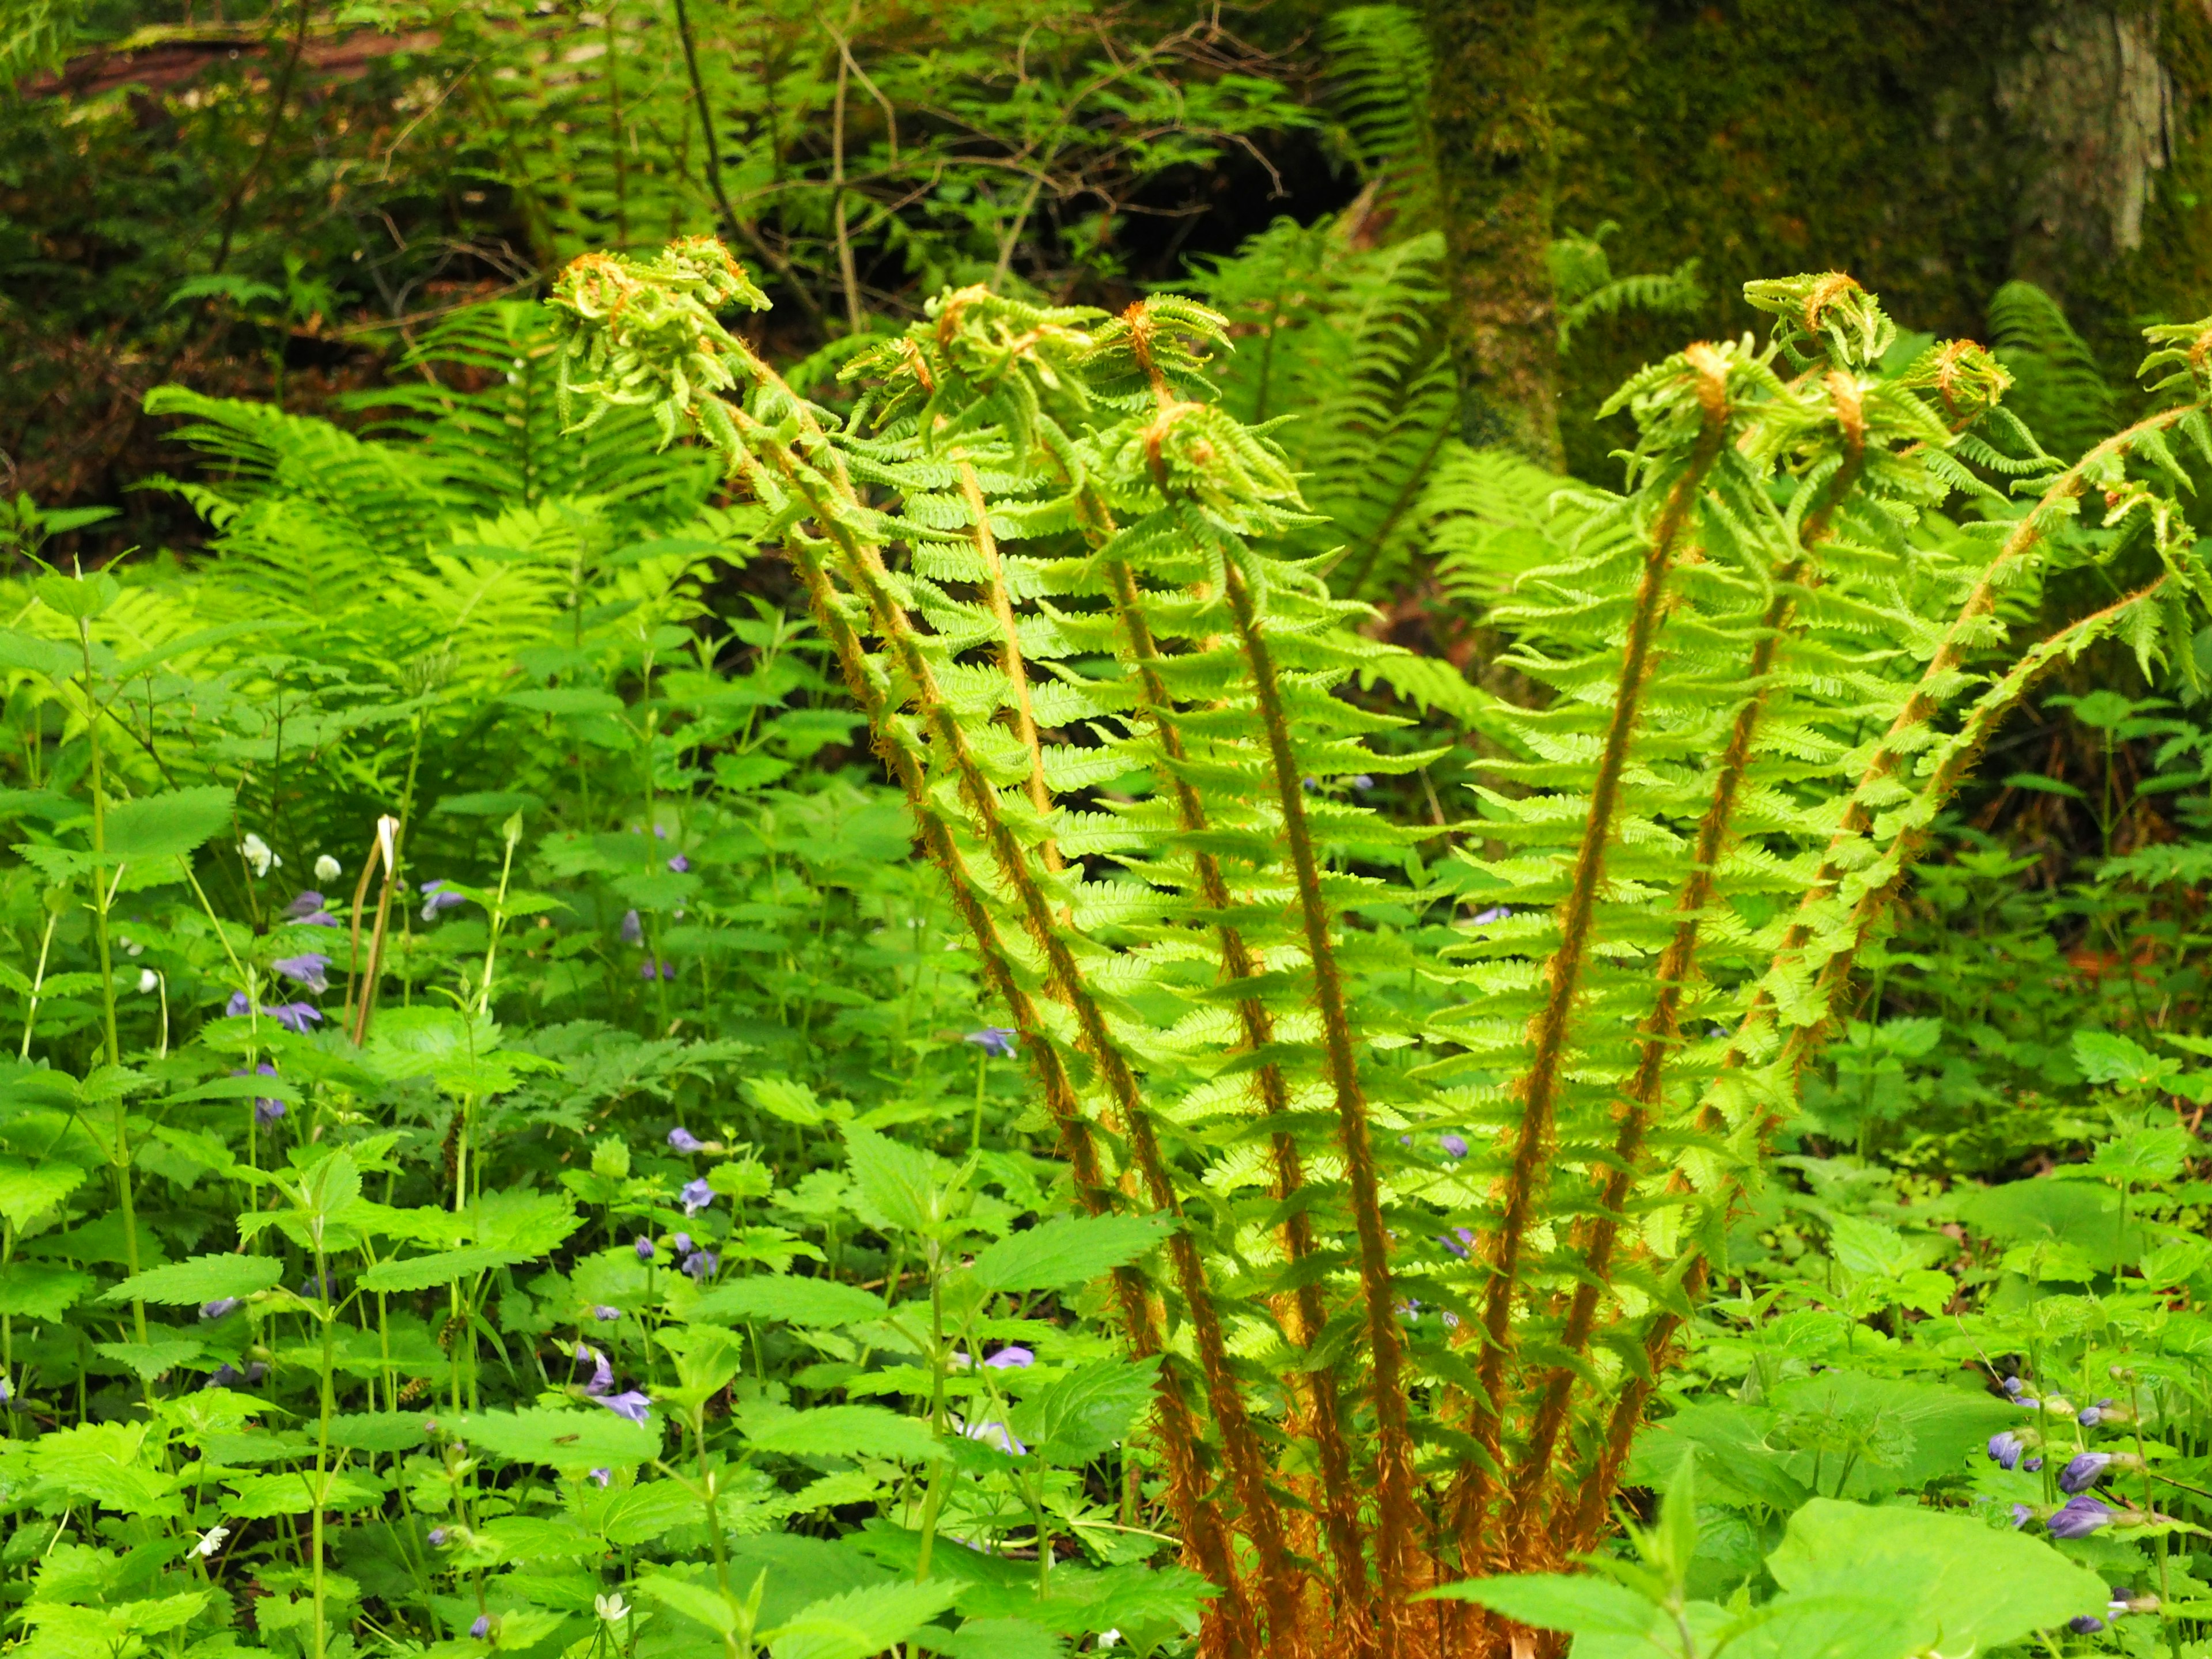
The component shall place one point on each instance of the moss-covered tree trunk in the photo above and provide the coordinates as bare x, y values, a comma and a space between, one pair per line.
1496, 174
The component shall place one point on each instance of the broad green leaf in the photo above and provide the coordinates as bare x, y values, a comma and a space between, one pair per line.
1067, 1251
815, 1303
258, 1496
860, 1622
843, 1431
150, 1359
48, 657
592, 1438
566, 700
701, 1603
202, 1278
1581, 1604
904, 1184
1966, 1585
107, 1462
420, 1272
30, 1290
1089, 1410
382, 1431
2107, 1057
28, 1191
167, 825
1002, 1638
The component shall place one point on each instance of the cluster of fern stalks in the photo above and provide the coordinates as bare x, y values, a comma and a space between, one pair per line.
1450, 1146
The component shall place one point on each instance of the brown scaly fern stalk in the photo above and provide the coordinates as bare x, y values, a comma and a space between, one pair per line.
864, 568
1396, 1515
1206, 1535
1307, 1315
1548, 1036
743, 439
1340, 1503
1594, 1241
1927, 700
1010, 661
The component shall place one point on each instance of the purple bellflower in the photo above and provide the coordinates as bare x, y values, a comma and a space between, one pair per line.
2005, 1448
439, 896
2079, 1518
1012, 1359
631, 1405
997, 1434
222, 1307
482, 1628
1455, 1146
702, 1264
632, 930
305, 905
605, 1315
678, 863
696, 1196
604, 1477
996, 1041
644, 1248
305, 969
684, 1140
603, 1375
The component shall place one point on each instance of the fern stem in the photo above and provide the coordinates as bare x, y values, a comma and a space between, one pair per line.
1548, 1033
1396, 1512
1341, 1504
864, 568
1011, 662
1594, 1242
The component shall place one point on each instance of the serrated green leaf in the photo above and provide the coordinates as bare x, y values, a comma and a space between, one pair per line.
860, 1622
843, 1431
816, 1303
421, 1273
585, 1438
1067, 1251
167, 825
202, 1279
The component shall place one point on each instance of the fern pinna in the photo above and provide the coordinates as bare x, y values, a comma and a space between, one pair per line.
1446, 1152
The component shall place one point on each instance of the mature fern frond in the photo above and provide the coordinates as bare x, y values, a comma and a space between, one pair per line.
1390, 1354
1378, 62
2060, 391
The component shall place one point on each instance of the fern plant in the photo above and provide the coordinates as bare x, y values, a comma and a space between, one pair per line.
1445, 1163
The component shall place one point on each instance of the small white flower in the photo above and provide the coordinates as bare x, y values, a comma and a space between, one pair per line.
328, 869
132, 947
148, 979
1107, 1638
258, 854
211, 1541
611, 1607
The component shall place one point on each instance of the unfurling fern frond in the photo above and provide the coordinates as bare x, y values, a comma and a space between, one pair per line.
1585, 288
1439, 1185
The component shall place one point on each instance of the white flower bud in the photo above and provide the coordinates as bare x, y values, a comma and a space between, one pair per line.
328, 869
257, 854
148, 979
211, 1541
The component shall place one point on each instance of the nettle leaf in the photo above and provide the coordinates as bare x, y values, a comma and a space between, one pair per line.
1089, 1412
904, 1185
382, 1431
1581, 1604
815, 1303
860, 1622
48, 657
565, 1439
28, 1192
1967, 1585
167, 825
843, 1431
421, 1273
1067, 1251
30, 1290
150, 1359
259, 1497
701, 1603
202, 1278
1002, 1638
